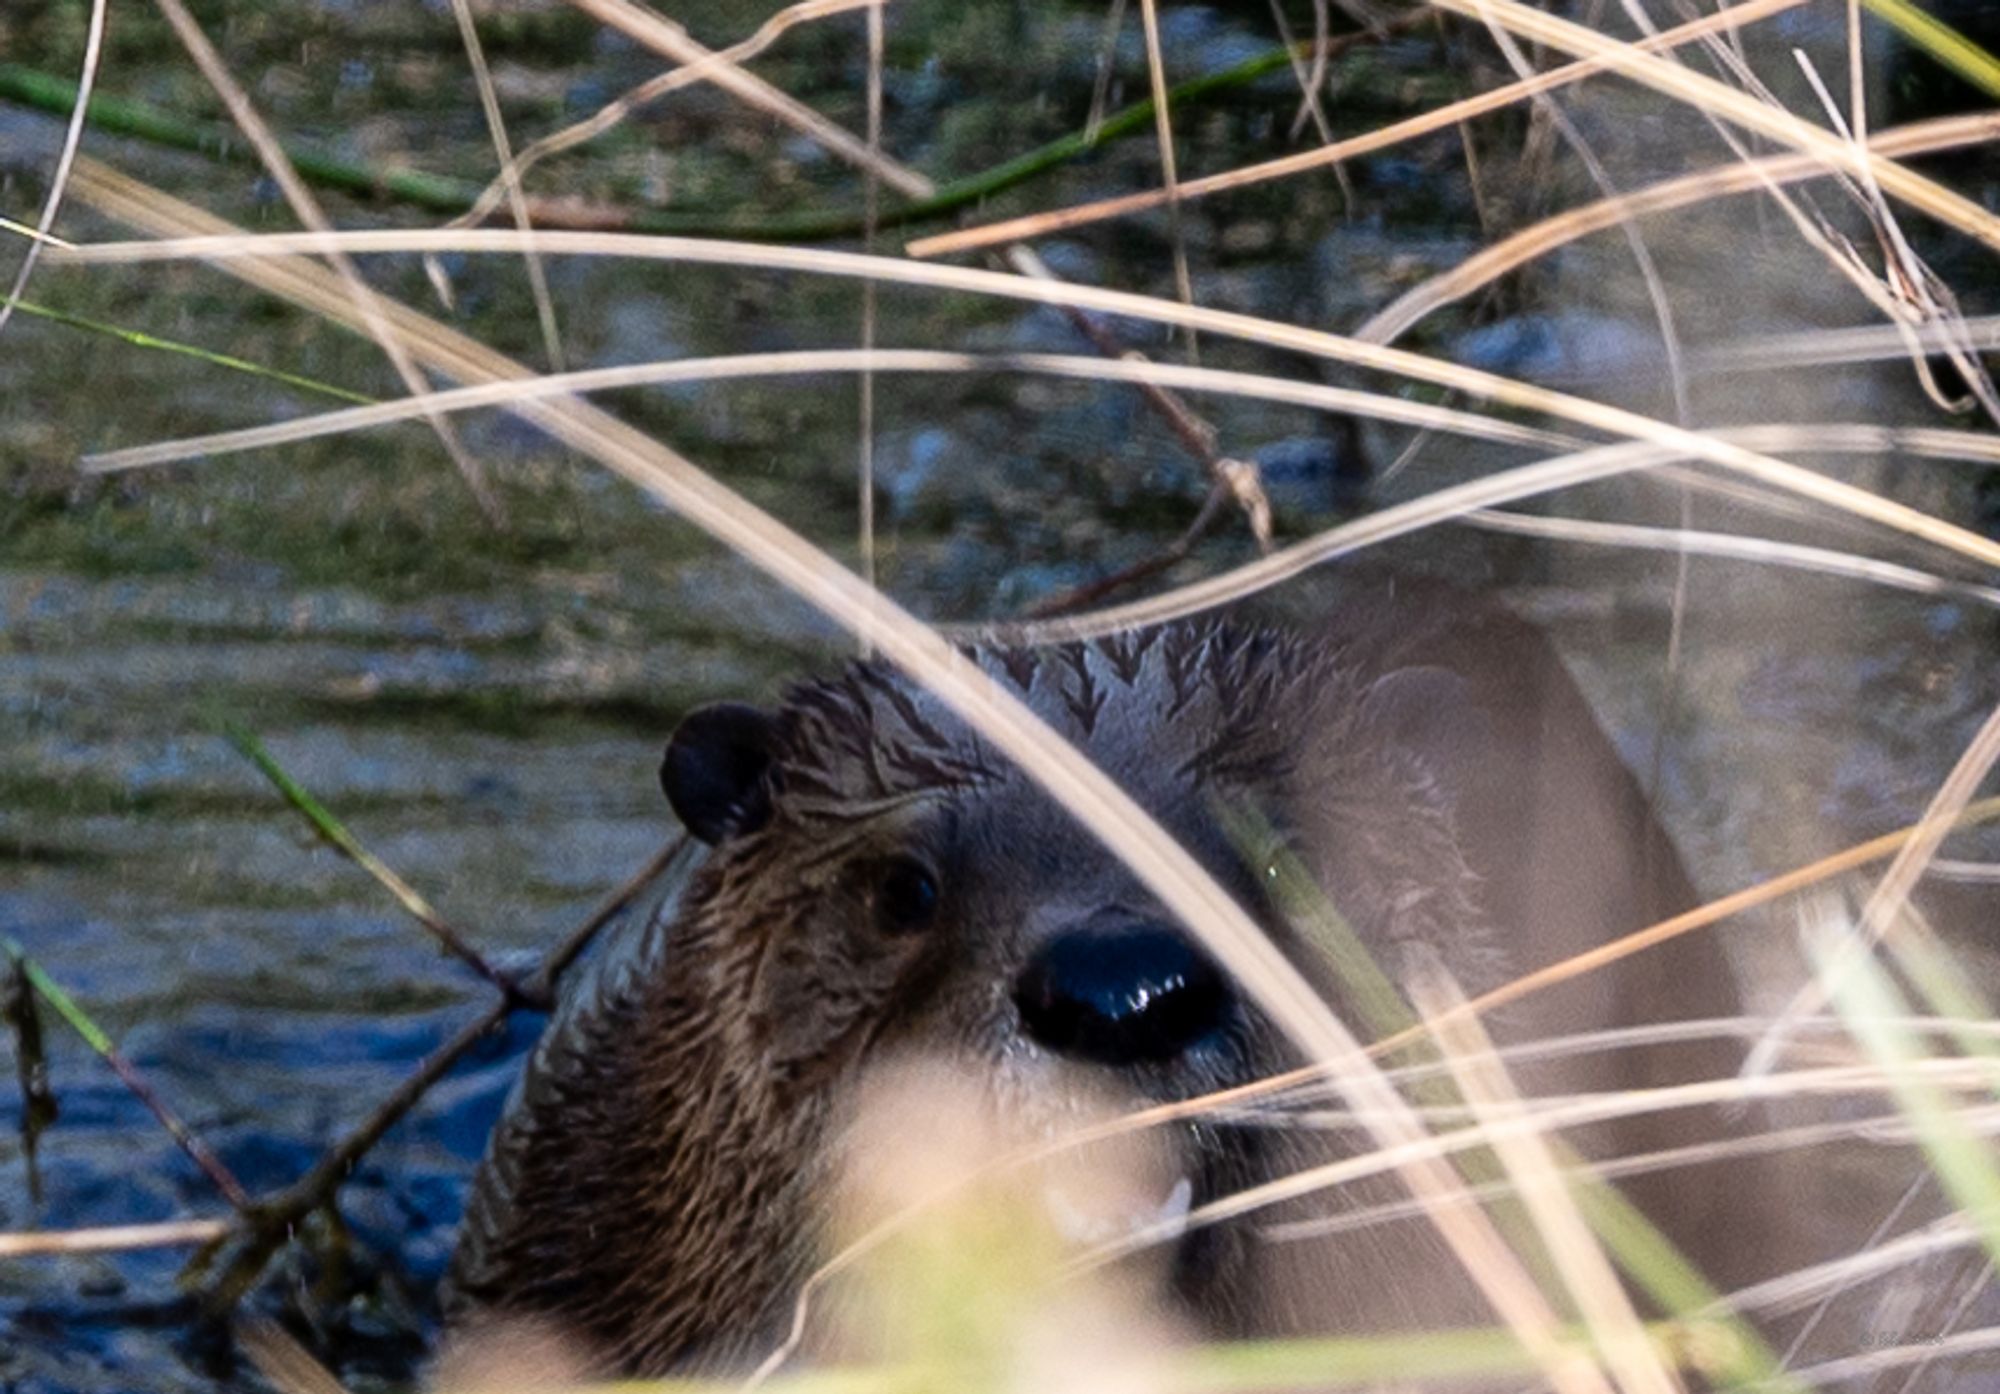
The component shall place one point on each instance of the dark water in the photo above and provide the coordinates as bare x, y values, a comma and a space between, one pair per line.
485, 709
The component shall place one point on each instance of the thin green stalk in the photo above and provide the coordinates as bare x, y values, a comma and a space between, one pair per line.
99, 1040
138, 338
122, 116
1947, 986
348, 845
59, 1001
1940, 41
1873, 1011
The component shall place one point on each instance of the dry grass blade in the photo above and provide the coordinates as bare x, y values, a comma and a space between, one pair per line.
1671, 441
517, 199
1538, 240
93, 49
1862, 344
1986, 873
1848, 1369
672, 41
1909, 292
1946, 1236
1163, 131
1738, 108
614, 113
1398, 520
1867, 1080
1892, 893
1544, 1187
1310, 78
1346, 401
289, 1366
1110, 815
872, 208
1396, 133
112, 1238
1762, 550
1791, 1292
307, 209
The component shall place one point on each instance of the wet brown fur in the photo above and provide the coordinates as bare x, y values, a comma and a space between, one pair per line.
657, 1185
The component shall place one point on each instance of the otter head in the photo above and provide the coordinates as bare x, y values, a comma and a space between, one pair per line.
879, 883
912, 883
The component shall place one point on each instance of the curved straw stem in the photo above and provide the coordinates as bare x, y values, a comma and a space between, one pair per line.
236, 247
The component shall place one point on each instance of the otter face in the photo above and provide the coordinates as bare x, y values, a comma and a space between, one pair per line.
892, 887
969, 893
878, 884
912, 890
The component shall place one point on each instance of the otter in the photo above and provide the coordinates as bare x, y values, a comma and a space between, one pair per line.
875, 881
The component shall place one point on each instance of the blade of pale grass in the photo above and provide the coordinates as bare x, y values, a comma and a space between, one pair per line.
1616, 1333
280, 1359
1910, 291
1396, 133
517, 199
1615, 420
93, 48
1892, 893
671, 40
1309, 77
1762, 551
1868, 1000
1345, 401
1539, 239
1847, 1370
1550, 1117
112, 1239
872, 209
1170, 179
307, 209
1985, 873
1984, 1120
614, 113
1862, 344
1803, 1287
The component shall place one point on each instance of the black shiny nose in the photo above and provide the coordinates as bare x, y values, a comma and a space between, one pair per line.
1116, 990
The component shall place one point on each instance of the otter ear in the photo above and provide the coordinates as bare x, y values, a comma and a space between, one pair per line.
717, 771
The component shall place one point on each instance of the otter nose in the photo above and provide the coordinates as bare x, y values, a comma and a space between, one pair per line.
1116, 990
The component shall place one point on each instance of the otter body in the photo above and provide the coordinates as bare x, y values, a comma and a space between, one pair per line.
878, 882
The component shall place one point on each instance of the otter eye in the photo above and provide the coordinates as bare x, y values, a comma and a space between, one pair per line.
906, 896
